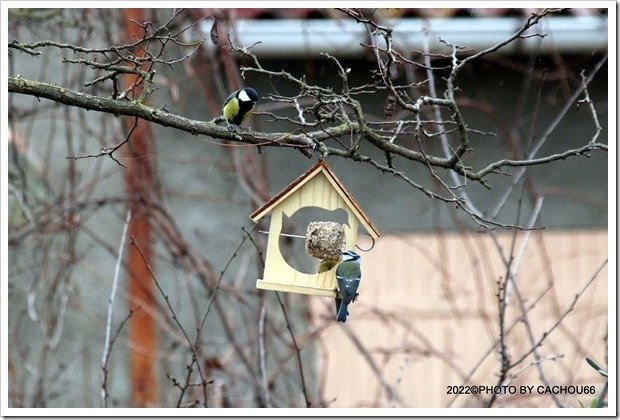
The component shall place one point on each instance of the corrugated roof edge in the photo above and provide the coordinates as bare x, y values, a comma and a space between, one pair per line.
291, 38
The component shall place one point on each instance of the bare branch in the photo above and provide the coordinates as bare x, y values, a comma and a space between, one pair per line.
191, 345
587, 100
582, 151
107, 343
531, 21
109, 151
568, 310
337, 115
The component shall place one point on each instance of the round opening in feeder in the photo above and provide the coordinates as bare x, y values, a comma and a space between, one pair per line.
325, 240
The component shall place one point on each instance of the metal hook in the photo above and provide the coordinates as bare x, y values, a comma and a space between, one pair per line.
371, 246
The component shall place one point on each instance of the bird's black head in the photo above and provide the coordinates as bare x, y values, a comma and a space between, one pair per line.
248, 95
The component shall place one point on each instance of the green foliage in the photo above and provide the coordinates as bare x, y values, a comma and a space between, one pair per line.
597, 402
596, 367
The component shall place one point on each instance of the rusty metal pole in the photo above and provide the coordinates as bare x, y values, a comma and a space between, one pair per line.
139, 184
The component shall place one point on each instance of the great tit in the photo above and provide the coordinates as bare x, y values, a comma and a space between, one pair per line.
348, 275
238, 105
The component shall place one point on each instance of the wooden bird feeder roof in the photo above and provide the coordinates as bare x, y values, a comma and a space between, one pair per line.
319, 167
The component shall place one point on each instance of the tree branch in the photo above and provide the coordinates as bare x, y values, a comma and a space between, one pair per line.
333, 116
158, 116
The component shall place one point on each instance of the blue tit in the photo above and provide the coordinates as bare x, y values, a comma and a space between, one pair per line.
238, 105
348, 275
326, 265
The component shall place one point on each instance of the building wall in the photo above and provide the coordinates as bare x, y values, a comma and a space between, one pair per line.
427, 318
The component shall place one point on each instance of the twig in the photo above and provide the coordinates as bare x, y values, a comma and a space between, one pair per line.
261, 348
160, 34
531, 21
104, 385
221, 276
176, 320
444, 139
521, 302
505, 290
534, 150
587, 100
108, 324
582, 151
185, 254
109, 151
302, 378
389, 389
497, 342
564, 314
516, 374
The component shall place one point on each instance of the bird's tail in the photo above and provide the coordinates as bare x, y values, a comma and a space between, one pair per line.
342, 312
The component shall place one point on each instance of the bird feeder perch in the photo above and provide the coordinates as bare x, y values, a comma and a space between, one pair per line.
317, 187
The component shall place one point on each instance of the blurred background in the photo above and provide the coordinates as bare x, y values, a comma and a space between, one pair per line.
428, 314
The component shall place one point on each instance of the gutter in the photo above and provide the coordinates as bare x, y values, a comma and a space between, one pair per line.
292, 38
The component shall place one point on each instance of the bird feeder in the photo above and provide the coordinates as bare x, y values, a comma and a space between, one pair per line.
317, 187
